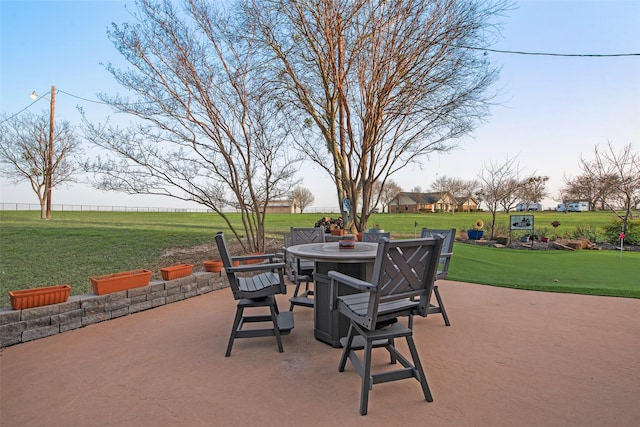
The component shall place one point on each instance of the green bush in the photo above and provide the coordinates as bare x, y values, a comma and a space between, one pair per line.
631, 236
588, 232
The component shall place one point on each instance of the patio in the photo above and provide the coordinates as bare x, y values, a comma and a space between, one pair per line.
510, 358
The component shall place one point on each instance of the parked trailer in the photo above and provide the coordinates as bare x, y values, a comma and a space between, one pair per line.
578, 207
522, 207
573, 207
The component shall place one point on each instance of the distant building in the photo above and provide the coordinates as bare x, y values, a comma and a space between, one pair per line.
282, 206
406, 202
466, 204
409, 202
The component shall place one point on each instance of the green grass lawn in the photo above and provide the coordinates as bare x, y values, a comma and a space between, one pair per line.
73, 246
583, 272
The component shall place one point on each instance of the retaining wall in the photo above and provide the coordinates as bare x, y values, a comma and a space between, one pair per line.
17, 326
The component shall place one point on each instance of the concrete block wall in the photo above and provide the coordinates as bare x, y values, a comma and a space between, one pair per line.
18, 326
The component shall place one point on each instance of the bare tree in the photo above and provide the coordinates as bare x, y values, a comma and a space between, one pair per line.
207, 123
619, 172
498, 189
468, 191
387, 193
303, 197
24, 153
533, 189
454, 186
380, 84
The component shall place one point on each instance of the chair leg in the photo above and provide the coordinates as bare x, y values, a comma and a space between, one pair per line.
418, 367
234, 329
441, 305
347, 349
295, 292
274, 317
367, 381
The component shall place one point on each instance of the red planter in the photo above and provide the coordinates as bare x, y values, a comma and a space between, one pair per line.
122, 281
176, 271
254, 261
28, 298
213, 266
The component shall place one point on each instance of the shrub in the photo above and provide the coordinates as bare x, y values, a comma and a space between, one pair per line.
587, 232
632, 235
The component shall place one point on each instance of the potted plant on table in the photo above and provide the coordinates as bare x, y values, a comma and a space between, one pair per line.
476, 232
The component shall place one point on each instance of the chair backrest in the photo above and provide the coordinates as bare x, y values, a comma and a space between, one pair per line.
227, 263
374, 237
447, 247
251, 281
404, 272
302, 235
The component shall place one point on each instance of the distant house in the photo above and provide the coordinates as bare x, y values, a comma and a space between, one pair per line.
406, 202
282, 206
466, 204
431, 202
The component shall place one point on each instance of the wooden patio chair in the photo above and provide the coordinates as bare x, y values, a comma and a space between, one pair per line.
301, 271
403, 276
255, 285
443, 266
374, 237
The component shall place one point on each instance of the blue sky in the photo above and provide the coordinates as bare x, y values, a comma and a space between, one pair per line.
551, 110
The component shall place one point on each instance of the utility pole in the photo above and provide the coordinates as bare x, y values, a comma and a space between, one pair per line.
49, 180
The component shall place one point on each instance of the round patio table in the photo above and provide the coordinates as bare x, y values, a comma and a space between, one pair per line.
329, 325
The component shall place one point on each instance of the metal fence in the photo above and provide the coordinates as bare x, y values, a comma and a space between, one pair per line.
88, 208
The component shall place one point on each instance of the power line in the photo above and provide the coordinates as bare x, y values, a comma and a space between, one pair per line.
19, 112
484, 49
84, 99
579, 55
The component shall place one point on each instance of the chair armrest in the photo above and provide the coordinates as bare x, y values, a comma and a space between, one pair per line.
351, 281
256, 267
337, 277
254, 256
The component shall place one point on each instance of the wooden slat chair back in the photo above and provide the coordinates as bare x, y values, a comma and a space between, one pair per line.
443, 266
374, 237
301, 271
302, 235
403, 277
255, 285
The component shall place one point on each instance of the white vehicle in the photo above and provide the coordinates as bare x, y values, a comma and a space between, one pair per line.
578, 207
522, 207
573, 207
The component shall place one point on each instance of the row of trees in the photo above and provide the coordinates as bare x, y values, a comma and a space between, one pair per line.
220, 93
610, 180
226, 98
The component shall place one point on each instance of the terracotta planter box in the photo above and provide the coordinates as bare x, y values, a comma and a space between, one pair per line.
122, 281
176, 271
213, 265
254, 261
28, 298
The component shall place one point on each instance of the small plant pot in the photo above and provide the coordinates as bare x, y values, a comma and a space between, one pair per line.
28, 298
475, 234
463, 235
122, 281
254, 261
337, 232
176, 271
213, 265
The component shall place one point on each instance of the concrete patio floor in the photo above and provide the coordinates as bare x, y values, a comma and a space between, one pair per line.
510, 358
